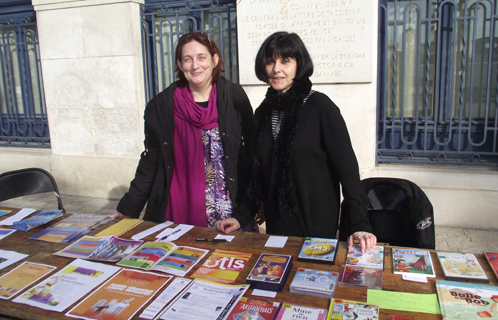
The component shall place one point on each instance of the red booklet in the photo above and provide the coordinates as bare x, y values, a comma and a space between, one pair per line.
493, 261
222, 266
248, 308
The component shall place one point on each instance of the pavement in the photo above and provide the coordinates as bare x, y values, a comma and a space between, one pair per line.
447, 238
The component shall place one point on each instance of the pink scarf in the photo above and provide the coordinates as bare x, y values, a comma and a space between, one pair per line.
187, 200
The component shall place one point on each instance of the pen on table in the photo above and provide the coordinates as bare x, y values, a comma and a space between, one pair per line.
172, 233
211, 240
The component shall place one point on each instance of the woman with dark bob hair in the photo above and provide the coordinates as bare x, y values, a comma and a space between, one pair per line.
302, 153
195, 166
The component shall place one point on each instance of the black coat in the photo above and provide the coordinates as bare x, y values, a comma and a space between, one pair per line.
155, 169
322, 161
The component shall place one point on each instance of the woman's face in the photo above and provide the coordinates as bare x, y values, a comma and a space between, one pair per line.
197, 64
281, 73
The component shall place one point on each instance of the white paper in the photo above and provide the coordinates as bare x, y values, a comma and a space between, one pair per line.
23, 213
204, 300
165, 297
59, 291
10, 257
276, 242
264, 293
6, 232
174, 233
224, 236
415, 277
145, 233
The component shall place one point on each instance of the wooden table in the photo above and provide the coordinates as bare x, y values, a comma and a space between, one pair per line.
41, 252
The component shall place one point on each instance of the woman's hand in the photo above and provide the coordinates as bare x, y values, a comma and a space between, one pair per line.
367, 240
227, 225
117, 215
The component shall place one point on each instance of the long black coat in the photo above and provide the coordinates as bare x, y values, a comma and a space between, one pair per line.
152, 180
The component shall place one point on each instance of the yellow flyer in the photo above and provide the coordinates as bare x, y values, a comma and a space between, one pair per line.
121, 296
19, 278
119, 228
222, 266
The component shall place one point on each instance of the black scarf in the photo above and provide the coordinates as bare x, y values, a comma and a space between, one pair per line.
292, 103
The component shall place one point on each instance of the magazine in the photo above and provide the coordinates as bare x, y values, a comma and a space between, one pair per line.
362, 277
121, 296
108, 248
165, 257
319, 249
19, 278
270, 271
293, 311
461, 266
204, 295
314, 282
73, 227
373, 258
37, 220
249, 308
413, 261
466, 301
492, 259
347, 309
222, 266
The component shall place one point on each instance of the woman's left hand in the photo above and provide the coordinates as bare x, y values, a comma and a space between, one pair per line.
367, 240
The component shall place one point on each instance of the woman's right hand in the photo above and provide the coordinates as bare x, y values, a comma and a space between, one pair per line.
116, 215
227, 225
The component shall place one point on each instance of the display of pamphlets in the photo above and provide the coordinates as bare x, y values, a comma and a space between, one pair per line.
461, 266
319, 249
249, 308
62, 289
222, 266
270, 271
165, 257
19, 278
121, 296
373, 258
73, 227
362, 277
413, 261
293, 311
37, 220
346, 309
110, 248
466, 301
314, 282
204, 300
492, 259
10, 257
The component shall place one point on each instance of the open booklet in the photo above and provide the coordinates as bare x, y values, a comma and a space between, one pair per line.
165, 257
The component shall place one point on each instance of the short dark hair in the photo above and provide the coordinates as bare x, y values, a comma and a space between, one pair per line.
286, 45
204, 39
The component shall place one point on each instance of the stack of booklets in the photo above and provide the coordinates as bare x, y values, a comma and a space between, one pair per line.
413, 261
461, 266
466, 301
363, 270
71, 228
314, 282
346, 309
37, 220
270, 271
222, 266
319, 250
492, 259
249, 308
293, 311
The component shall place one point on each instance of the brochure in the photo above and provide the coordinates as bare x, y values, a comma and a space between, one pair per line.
249, 308
121, 296
204, 300
37, 220
314, 282
413, 261
6, 232
461, 266
9, 257
59, 291
119, 227
293, 311
492, 259
174, 288
361, 277
19, 278
346, 309
373, 258
108, 248
165, 257
222, 266
318, 250
23, 213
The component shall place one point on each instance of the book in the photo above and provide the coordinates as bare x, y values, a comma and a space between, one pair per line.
222, 266
111, 249
492, 259
314, 282
347, 309
413, 261
465, 301
165, 257
362, 277
319, 249
249, 308
293, 311
71, 228
270, 271
373, 258
461, 266
37, 220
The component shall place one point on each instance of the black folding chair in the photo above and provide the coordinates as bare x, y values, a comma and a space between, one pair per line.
24, 182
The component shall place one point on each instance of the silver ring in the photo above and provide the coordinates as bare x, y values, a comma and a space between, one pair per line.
359, 237
366, 236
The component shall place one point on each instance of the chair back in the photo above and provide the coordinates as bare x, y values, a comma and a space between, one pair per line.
24, 182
